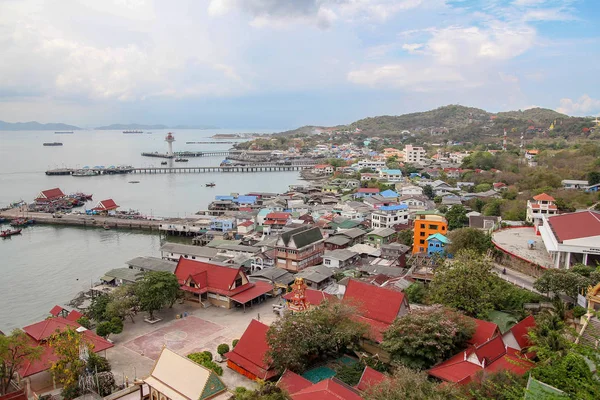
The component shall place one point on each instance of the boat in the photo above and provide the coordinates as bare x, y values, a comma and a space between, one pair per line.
63, 132
134, 181
148, 133
181, 160
212, 184
106, 227
53, 144
10, 232
85, 172
83, 196
163, 163
22, 222
133, 131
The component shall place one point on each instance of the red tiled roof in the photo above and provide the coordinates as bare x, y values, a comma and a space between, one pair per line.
278, 215
370, 377
543, 197
575, 225
376, 328
511, 361
246, 223
320, 166
368, 190
329, 389
74, 315
375, 303
42, 330
245, 209
484, 331
314, 297
250, 351
491, 350
216, 278
51, 194
521, 329
56, 310
292, 383
106, 205
258, 289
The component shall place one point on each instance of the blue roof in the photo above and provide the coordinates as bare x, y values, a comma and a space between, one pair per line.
440, 237
394, 207
246, 199
389, 193
392, 171
224, 197
264, 212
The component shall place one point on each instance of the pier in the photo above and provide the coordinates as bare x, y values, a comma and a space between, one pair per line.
224, 153
214, 142
228, 168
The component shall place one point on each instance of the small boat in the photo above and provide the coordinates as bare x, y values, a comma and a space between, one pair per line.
133, 131
10, 232
63, 132
22, 222
163, 163
181, 160
212, 184
106, 227
134, 181
53, 144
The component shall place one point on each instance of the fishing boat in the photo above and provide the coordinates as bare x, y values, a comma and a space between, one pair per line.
22, 222
134, 181
53, 144
63, 132
163, 163
83, 196
106, 227
212, 184
85, 172
10, 232
181, 160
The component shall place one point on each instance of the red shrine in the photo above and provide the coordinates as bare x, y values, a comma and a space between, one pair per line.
298, 301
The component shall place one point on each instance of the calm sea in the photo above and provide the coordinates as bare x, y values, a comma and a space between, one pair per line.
49, 265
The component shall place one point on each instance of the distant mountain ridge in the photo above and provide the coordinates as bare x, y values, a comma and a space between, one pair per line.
36, 126
116, 127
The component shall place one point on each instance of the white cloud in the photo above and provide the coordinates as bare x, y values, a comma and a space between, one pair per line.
585, 105
412, 47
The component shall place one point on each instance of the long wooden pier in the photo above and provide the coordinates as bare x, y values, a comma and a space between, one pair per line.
192, 154
232, 168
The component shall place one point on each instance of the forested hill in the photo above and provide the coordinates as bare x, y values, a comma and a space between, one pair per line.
459, 121
35, 126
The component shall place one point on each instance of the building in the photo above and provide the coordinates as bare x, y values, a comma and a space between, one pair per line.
279, 278
245, 227
395, 251
377, 307
317, 277
48, 196
300, 388
416, 203
426, 224
144, 264
366, 176
121, 276
179, 378
436, 245
391, 175
484, 223
323, 169
541, 205
248, 357
572, 238
413, 154
105, 206
222, 224
389, 216
410, 190
365, 192
277, 220
174, 251
300, 248
340, 258
380, 236
574, 184
303, 298
218, 285
375, 165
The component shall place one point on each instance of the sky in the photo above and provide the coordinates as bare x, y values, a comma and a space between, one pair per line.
279, 64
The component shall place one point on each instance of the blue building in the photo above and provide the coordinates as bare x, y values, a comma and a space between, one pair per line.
436, 244
389, 194
222, 224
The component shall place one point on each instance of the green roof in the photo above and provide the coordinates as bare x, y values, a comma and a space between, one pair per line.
537, 390
126, 274
346, 224
302, 236
213, 386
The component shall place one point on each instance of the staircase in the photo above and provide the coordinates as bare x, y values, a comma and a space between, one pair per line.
590, 334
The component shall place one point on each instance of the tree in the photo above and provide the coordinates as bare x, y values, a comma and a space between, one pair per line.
593, 178
406, 237
350, 373
468, 239
156, 290
67, 346
572, 375
122, 302
15, 350
465, 283
457, 217
296, 339
105, 328
549, 338
407, 384
222, 349
205, 359
423, 338
416, 293
492, 208
265, 391
428, 191
96, 363
234, 343
97, 309
500, 385
560, 281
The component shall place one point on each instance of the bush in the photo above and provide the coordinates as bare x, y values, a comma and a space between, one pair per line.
222, 348
85, 322
216, 368
416, 293
208, 355
350, 374
579, 311
234, 343
200, 358
70, 392
96, 363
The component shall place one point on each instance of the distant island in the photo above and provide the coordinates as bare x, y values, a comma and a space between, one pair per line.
36, 126
117, 127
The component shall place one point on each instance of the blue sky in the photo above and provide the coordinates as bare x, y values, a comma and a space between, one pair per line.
284, 63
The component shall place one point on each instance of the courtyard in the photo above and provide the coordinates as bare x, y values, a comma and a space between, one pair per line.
524, 244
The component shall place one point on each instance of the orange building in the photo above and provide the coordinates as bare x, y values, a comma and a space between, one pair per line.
427, 223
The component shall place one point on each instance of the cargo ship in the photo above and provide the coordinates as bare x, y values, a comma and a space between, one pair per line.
63, 132
53, 144
133, 131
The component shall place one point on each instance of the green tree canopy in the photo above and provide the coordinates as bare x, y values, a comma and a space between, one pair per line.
298, 338
122, 302
407, 384
15, 350
559, 281
423, 338
428, 191
457, 217
156, 290
500, 385
572, 375
468, 239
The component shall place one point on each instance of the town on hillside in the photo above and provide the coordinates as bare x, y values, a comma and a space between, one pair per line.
402, 268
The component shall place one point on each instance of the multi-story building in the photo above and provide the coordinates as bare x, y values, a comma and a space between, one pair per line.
300, 248
541, 205
427, 223
391, 175
375, 165
413, 154
388, 216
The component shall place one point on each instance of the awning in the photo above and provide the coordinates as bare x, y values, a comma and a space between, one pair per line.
257, 290
107, 278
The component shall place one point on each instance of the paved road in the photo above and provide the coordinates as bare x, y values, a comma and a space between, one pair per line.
516, 278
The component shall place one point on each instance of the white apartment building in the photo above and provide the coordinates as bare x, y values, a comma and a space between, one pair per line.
371, 164
389, 216
413, 154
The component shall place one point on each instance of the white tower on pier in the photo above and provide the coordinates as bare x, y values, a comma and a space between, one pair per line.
170, 139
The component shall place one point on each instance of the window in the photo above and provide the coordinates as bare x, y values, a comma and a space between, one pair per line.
327, 262
422, 241
239, 282
193, 257
422, 226
422, 234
